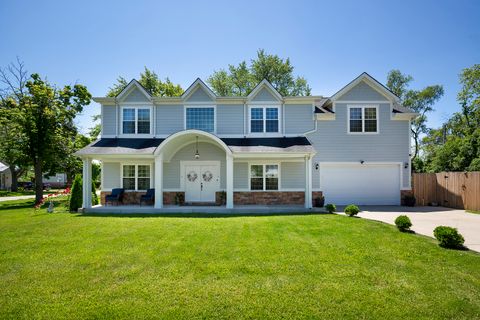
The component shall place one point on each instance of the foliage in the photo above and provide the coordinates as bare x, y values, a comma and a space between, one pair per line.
420, 101
76, 197
403, 223
95, 131
152, 83
241, 80
95, 200
331, 208
351, 210
448, 237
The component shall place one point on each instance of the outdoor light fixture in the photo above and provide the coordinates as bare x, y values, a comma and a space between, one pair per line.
197, 155
317, 166
361, 161
405, 165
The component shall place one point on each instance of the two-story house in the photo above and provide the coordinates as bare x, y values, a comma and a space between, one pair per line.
352, 147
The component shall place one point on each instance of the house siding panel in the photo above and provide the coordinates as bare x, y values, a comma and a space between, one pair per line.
298, 119
136, 96
292, 175
111, 175
169, 119
109, 120
230, 119
199, 96
240, 175
264, 95
362, 92
390, 145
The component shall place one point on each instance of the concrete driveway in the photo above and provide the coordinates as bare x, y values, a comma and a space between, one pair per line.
16, 198
425, 219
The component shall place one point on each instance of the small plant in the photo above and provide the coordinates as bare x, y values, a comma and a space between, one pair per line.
94, 194
223, 197
448, 237
179, 198
319, 201
403, 223
76, 196
352, 210
409, 200
331, 208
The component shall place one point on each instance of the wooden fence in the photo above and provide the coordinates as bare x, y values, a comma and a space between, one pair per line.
459, 190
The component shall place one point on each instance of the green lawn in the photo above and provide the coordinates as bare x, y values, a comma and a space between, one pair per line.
65, 265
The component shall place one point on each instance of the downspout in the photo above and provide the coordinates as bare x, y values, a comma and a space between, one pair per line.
117, 120
283, 118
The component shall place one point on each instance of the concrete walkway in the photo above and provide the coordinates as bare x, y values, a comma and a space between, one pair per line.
17, 198
426, 219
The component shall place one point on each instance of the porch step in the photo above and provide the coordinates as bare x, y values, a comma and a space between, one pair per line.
199, 204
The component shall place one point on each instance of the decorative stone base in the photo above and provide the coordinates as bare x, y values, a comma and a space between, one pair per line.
268, 198
131, 197
169, 197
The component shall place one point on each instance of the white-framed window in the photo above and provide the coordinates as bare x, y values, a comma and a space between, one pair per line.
200, 118
362, 119
136, 120
136, 177
264, 177
264, 119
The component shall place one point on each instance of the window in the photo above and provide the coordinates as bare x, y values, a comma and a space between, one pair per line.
136, 177
362, 119
200, 119
264, 177
136, 120
264, 120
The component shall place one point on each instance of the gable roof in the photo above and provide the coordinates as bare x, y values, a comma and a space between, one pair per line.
192, 88
264, 84
3, 167
369, 80
133, 84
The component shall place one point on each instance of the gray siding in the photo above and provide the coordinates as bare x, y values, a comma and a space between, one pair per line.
298, 118
292, 175
111, 175
208, 152
230, 119
169, 119
390, 145
109, 120
240, 175
264, 95
362, 92
199, 96
135, 96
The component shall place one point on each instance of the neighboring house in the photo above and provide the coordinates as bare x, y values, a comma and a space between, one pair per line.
59, 180
260, 149
5, 177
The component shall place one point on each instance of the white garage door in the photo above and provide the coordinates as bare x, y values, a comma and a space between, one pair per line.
361, 184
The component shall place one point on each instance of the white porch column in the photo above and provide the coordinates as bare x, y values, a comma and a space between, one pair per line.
229, 180
159, 181
308, 182
87, 183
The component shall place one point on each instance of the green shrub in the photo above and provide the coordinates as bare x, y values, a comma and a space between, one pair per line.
352, 210
448, 237
76, 196
403, 223
331, 208
94, 194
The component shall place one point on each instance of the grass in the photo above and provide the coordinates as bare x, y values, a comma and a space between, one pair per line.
473, 211
62, 265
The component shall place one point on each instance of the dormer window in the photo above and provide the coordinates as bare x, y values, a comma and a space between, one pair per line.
264, 119
136, 120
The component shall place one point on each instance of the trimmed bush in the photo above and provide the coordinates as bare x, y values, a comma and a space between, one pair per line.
94, 194
76, 196
352, 210
448, 237
403, 223
331, 208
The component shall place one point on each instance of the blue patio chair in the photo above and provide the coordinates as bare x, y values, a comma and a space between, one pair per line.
148, 197
115, 196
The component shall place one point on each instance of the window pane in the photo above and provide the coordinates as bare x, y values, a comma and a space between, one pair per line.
370, 113
272, 113
271, 184
143, 127
128, 126
256, 184
143, 183
256, 126
129, 183
201, 119
356, 114
129, 171
143, 115
272, 125
129, 114
256, 113
370, 125
271, 177
355, 125
143, 171
256, 171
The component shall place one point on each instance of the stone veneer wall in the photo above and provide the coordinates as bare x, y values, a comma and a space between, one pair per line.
268, 197
132, 197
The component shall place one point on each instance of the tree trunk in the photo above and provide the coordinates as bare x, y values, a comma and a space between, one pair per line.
14, 186
38, 181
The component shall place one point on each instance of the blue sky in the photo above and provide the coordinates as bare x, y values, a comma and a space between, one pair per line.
328, 42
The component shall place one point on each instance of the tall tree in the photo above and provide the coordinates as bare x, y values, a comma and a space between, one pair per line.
240, 80
420, 101
44, 115
152, 83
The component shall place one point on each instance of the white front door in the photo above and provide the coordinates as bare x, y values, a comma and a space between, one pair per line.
201, 182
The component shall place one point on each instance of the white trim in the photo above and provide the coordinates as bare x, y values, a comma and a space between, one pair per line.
206, 106
365, 102
136, 108
409, 156
370, 81
126, 91
264, 163
193, 88
199, 133
362, 106
265, 133
264, 84
280, 190
136, 164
